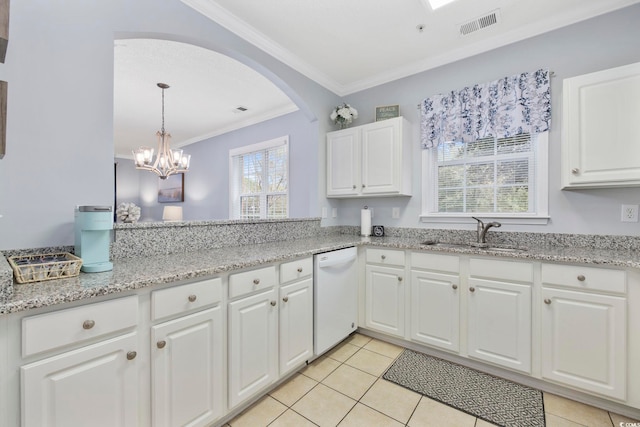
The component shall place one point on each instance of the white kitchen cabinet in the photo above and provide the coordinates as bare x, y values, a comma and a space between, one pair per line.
600, 130
385, 299
296, 324
435, 300
253, 345
187, 369
96, 385
187, 354
370, 160
499, 313
435, 309
584, 333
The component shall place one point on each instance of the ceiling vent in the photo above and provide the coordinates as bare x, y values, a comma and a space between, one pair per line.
240, 109
491, 18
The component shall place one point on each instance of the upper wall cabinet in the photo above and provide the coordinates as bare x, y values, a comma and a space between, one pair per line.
601, 136
370, 161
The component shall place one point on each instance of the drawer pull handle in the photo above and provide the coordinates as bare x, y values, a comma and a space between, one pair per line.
285, 299
256, 281
575, 171
454, 287
131, 355
299, 269
547, 301
192, 298
472, 289
273, 303
399, 279
581, 278
88, 324
161, 344
383, 256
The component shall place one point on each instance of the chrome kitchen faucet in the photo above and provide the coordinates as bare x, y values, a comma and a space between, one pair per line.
483, 228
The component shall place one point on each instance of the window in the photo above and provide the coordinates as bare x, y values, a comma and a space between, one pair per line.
259, 180
492, 177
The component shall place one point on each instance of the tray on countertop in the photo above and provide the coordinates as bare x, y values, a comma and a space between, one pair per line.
39, 267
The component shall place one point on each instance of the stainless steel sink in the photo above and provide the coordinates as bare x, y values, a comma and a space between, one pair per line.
473, 246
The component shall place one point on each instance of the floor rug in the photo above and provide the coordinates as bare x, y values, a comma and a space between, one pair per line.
490, 398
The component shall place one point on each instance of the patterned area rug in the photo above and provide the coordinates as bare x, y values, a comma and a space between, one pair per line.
490, 398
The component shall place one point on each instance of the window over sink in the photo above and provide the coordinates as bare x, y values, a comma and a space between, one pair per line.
259, 180
504, 178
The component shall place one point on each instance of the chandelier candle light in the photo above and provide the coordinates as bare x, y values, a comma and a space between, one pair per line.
167, 162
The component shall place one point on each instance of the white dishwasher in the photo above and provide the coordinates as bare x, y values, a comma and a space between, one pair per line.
335, 302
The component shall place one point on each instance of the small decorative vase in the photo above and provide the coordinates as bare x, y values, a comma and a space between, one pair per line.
343, 124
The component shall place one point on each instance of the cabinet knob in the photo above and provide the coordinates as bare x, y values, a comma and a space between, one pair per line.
575, 171
131, 355
581, 278
354, 186
454, 287
161, 343
399, 279
299, 269
363, 185
192, 298
547, 301
88, 324
273, 303
383, 257
472, 289
285, 299
256, 281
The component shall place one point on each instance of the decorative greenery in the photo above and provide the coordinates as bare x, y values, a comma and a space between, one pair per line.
343, 115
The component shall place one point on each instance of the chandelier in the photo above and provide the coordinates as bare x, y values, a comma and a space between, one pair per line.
167, 162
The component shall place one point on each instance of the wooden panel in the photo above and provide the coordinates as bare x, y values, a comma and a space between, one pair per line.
585, 278
295, 270
184, 298
4, 29
385, 256
251, 281
3, 117
52, 330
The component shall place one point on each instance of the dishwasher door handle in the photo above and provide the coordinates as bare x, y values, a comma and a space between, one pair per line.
335, 261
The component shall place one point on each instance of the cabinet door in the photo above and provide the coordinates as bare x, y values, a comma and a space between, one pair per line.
584, 341
296, 325
600, 131
187, 370
95, 385
499, 323
343, 163
435, 309
253, 345
381, 157
384, 299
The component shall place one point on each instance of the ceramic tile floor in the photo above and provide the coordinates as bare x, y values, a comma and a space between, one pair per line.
344, 388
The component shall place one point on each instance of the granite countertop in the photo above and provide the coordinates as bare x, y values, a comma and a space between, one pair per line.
136, 273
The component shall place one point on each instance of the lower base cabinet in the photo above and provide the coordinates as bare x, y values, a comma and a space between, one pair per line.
296, 325
187, 370
253, 345
96, 386
384, 299
584, 341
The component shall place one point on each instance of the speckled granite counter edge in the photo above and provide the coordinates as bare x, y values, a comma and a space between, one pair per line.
171, 268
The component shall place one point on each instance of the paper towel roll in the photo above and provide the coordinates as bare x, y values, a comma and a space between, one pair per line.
365, 222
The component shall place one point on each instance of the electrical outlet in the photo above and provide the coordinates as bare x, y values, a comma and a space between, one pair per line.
395, 213
324, 212
334, 212
629, 213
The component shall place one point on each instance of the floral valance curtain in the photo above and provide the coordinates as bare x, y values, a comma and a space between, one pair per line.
510, 106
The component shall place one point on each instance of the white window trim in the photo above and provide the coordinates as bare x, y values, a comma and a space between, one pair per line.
541, 202
264, 145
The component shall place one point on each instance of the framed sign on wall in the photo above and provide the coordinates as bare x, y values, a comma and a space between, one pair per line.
387, 112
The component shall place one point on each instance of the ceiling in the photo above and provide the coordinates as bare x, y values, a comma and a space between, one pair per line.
344, 45
205, 90
351, 45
